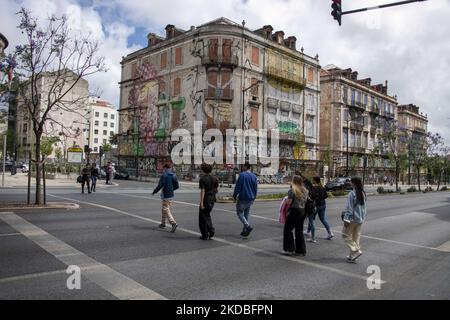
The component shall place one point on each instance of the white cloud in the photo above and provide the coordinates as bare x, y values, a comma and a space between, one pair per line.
407, 45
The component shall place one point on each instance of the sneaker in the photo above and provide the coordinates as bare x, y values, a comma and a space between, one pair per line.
249, 229
244, 232
312, 240
306, 233
330, 236
211, 236
299, 254
174, 228
357, 255
288, 253
162, 226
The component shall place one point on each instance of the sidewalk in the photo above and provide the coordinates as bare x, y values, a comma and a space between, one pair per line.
20, 180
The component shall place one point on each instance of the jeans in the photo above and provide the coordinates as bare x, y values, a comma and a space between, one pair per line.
243, 211
323, 218
93, 183
295, 220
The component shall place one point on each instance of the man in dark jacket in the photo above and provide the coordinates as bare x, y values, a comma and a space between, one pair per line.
168, 183
245, 193
208, 185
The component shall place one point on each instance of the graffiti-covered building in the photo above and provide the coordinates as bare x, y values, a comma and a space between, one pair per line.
226, 76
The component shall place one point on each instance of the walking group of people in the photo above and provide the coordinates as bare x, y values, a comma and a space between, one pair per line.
305, 200
90, 174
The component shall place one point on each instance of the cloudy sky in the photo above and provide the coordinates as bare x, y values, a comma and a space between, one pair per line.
407, 45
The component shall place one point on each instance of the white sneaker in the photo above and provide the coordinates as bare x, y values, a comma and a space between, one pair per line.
312, 240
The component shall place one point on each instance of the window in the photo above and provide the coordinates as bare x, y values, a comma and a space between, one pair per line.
96, 123
358, 97
226, 49
254, 118
310, 75
97, 114
113, 117
111, 125
255, 56
345, 94
134, 71
177, 86
111, 133
104, 141
163, 60
213, 49
105, 124
365, 100
105, 115
179, 56
95, 131
95, 140
105, 132
345, 135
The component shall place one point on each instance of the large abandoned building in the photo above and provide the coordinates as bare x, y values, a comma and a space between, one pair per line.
226, 76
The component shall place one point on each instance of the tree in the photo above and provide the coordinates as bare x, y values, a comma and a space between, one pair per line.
54, 53
392, 142
328, 160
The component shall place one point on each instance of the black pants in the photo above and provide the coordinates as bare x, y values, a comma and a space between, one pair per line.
205, 221
108, 178
295, 220
85, 181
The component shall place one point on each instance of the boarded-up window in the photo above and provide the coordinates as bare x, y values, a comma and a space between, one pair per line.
226, 84
179, 56
255, 56
213, 49
310, 75
162, 87
212, 83
254, 118
226, 49
134, 70
163, 60
254, 89
177, 86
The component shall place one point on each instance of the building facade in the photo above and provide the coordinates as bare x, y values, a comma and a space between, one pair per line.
416, 125
103, 124
226, 76
349, 132
66, 120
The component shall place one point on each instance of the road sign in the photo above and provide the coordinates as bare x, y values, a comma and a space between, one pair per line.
75, 155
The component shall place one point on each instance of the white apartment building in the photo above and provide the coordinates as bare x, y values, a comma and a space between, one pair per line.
103, 123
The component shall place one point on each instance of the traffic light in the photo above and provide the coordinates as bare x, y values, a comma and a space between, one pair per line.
101, 152
337, 10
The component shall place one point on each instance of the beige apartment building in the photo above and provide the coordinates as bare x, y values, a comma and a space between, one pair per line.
66, 120
228, 77
350, 110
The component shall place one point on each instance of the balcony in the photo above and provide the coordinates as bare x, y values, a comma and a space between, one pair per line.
420, 130
218, 94
286, 76
356, 126
357, 149
231, 61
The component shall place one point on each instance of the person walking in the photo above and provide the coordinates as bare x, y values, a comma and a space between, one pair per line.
297, 198
244, 194
94, 177
208, 189
354, 217
321, 195
168, 183
86, 177
108, 171
310, 209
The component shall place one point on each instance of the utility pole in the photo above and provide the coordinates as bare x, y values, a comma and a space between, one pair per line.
4, 161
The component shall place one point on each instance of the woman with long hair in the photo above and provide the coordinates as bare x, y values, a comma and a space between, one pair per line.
354, 216
321, 196
297, 197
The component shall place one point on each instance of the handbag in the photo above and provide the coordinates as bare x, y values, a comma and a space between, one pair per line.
80, 179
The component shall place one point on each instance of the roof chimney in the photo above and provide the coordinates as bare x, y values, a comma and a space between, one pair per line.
354, 75
279, 37
292, 43
268, 31
170, 31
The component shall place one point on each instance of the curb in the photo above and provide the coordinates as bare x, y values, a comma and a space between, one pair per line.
51, 205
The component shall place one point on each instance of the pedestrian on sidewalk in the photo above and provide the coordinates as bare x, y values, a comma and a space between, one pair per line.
94, 176
310, 208
321, 196
168, 183
209, 186
86, 177
297, 198
354, 217
108, 172
244, 194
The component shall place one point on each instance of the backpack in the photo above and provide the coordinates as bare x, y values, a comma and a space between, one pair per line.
284, 209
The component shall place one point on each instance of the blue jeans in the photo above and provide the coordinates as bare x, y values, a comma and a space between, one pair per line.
243, 211
323, 218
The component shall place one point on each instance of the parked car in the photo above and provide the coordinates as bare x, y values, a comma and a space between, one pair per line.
121, 174
8, 166
339, 184
22, 167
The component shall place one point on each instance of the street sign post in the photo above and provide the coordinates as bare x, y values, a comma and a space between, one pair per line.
75, 155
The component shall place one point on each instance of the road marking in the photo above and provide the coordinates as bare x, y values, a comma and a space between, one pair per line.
276, 220
112, 281
10, 234
444, 247
32, 276
231, 243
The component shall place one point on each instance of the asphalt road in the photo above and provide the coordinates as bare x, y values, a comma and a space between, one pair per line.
114, 238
